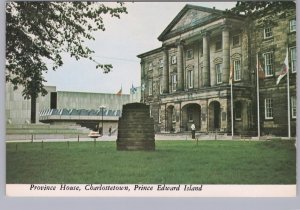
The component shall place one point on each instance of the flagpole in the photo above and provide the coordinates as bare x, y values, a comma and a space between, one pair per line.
231, 101
231, 97
288, 95
257, 95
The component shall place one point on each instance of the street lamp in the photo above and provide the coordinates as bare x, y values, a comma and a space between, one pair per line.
102, 107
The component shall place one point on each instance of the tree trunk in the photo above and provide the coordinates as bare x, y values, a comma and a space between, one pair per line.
33, 109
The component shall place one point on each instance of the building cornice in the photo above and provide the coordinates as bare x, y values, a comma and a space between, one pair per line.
151, 52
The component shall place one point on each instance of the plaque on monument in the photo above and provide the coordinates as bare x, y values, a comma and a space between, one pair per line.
136, 128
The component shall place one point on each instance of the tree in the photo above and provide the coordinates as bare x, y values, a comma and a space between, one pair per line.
37, 32
257, 9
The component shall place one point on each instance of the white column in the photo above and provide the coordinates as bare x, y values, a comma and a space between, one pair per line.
206, 60
226, 53
165, 71
179, 66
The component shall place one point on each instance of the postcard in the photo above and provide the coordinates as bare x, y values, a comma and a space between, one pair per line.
150, 99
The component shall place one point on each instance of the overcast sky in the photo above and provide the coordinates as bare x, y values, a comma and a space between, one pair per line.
119, 45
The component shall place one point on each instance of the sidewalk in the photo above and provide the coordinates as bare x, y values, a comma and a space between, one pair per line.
85, 139
158, 137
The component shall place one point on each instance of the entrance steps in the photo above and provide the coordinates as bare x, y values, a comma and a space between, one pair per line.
44, 131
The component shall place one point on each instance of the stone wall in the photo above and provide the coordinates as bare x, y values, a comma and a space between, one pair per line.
136, 128
277, 44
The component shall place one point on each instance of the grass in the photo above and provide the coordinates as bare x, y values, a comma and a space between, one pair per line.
173, 162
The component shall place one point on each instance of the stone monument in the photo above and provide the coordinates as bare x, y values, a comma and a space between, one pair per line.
135, 128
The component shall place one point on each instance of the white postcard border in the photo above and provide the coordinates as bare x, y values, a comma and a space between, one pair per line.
148, 190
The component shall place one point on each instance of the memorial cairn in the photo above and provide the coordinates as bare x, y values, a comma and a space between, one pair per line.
135, 128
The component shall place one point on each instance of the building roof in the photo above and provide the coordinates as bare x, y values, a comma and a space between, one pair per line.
157, 50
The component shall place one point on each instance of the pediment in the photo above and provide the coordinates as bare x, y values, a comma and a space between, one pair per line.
191, 18
188, 18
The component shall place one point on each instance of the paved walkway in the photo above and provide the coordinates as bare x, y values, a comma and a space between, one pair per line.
157, 137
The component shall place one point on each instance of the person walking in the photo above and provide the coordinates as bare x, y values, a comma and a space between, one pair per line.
193, 127
109, 131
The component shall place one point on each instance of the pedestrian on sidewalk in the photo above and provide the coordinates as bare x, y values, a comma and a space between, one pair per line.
193, 127
109, 131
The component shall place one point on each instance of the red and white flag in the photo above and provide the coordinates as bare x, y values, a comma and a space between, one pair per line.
260, 70
231, 75
285, 67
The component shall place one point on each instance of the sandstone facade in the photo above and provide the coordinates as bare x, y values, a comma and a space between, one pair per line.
186, 80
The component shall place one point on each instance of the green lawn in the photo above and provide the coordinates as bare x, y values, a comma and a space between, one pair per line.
173, 162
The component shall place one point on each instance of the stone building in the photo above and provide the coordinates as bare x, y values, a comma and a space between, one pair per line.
186, 80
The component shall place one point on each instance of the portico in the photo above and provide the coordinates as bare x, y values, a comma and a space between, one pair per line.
204, 41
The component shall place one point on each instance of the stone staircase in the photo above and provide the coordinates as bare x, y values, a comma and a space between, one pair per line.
136, 128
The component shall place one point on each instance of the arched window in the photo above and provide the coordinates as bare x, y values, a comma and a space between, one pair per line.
218, 69
190, 76
236, 63
237, 70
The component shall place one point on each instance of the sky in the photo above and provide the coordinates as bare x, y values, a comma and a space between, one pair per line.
125, 38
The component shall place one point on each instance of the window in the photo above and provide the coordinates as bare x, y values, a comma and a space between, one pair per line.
236, 40
189, 54
174, 82
268, 32
238, 110
268, 58
268, 108
150, 87
294, 106
293, 59
161, 63
219, 72
237, 70
293, 25
218, 45
190, 78
53, 100
173, 59
150, 66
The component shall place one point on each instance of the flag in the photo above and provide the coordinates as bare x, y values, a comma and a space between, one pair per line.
119, 92
260, 70
143, 87
285, 68
231, 75
133, 89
